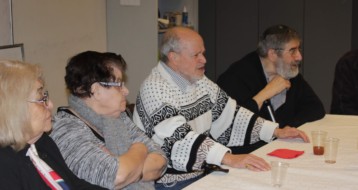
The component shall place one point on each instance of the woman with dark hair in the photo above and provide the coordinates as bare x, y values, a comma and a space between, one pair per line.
98, 140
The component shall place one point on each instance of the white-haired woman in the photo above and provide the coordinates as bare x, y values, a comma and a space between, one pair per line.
29, 158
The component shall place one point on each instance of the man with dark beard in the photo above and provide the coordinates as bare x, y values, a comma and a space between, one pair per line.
268, 82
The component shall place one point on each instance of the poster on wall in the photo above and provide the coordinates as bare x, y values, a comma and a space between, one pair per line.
6, 34
12, 52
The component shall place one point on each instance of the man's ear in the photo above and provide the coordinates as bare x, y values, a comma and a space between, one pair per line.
172, 56
271, 54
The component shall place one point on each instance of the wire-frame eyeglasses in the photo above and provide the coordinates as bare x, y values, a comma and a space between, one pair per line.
114, 84
44, 100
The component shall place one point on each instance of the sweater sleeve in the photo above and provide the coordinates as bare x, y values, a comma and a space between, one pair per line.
139, 136
83, 152
234, 125
185, 148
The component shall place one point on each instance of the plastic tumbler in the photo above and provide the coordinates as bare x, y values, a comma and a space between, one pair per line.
318, 140
278, 173
331, 149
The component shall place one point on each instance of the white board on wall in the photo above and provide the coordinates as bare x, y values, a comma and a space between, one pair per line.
12, 52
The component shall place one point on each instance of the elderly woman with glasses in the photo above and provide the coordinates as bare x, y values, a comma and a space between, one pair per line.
29, 159
98, 140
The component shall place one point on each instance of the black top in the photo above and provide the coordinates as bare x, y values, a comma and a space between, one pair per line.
345, 85
18, 172
245, 78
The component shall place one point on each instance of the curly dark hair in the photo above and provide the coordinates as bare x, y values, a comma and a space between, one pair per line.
89, 67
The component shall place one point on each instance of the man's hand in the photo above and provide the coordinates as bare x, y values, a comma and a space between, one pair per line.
248, 161
275, 86
290, 132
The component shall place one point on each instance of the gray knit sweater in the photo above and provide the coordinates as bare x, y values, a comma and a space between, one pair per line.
82, 149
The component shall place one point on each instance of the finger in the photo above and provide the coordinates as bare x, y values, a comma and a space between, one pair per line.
256, 167
252, 168
140, 177
258, 163
304, 136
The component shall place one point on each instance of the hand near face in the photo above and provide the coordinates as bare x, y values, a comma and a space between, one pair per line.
276, 85
290, 132
248, 161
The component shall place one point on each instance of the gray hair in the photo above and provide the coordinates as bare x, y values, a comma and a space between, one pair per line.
170, 43
275, 37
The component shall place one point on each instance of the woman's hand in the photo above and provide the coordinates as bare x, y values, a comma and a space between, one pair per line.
154, 166
131, 165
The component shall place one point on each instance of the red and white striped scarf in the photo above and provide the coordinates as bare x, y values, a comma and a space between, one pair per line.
51, 178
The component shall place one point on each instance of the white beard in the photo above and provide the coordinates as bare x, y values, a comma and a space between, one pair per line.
285, 70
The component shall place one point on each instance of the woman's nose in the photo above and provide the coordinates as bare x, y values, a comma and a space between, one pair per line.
125, 91
50, 105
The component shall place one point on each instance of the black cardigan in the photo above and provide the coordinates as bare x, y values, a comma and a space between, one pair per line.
245, 78
18, 172
345, 85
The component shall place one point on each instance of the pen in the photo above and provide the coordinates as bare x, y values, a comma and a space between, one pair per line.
270, 111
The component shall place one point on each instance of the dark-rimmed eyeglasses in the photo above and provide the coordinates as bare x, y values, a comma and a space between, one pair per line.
292, 51
114, 84
44, 100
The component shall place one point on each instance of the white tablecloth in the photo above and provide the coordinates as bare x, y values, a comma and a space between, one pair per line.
307, 171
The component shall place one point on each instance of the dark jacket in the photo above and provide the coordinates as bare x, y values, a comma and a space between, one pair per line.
345, 85
245, 78
18, 172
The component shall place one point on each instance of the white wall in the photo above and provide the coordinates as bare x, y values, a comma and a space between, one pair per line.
53, 31
133, 32
5, 23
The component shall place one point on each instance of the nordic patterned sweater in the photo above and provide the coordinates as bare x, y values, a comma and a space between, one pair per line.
193, 123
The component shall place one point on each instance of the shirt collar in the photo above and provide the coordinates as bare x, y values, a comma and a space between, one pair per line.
177, 78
